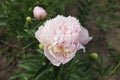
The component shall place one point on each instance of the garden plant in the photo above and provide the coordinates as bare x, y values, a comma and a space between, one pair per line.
59, 40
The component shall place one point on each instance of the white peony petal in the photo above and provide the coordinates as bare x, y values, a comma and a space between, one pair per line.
51, 58
84, 36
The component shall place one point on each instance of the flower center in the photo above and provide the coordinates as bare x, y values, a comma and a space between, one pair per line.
60, 50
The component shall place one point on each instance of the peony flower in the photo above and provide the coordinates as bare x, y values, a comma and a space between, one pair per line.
39, 13
62, 37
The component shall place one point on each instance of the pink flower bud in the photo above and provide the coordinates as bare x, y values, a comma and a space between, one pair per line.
39, 13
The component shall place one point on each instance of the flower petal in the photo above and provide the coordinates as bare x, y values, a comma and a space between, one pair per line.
68, 57
84, 36
50, 57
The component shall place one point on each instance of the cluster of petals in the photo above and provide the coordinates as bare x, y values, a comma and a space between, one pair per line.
62, 37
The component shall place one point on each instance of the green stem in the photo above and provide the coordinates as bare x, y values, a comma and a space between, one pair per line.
58, 72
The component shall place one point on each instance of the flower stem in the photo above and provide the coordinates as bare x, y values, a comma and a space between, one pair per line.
58, 72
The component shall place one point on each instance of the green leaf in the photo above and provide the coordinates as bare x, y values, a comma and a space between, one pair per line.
41, 72
108, 70
29, 32
17, 75
20, 76
29, 43
2, 24
32, 58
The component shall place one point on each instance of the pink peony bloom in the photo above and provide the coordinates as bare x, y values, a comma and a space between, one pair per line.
62, 37
39, 13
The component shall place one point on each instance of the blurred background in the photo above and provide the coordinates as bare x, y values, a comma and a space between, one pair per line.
17, 40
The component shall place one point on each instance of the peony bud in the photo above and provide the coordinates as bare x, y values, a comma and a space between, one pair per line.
28, 19
39, 13
41, 46
94, 56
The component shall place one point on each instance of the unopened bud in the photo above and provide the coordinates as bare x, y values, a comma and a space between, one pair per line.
39, 12
41, 46
94, 56
28, 19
